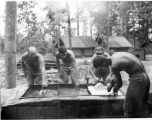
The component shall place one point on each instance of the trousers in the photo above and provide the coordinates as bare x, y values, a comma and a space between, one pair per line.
135, 103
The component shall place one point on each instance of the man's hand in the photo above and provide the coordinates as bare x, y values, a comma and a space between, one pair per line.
108, 79
44, 84
100, 80
112, 83
97, 79
60, 76
25, 73
115, 94
76, 87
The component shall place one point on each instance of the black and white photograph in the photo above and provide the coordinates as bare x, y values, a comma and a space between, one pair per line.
75, 59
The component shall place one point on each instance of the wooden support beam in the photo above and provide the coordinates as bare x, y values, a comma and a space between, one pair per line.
10, 44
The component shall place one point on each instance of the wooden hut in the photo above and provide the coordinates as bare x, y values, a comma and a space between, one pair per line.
119, 43
82, 46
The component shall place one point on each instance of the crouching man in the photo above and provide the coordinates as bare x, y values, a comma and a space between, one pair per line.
33, 66
95, 75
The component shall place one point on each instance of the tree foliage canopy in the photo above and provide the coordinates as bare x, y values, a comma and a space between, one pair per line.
132, 19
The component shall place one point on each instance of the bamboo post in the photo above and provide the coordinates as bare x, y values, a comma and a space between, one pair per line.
10, 44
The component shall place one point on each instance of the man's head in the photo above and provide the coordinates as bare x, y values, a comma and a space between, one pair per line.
32, 51
99, 50
62, 51
101, 61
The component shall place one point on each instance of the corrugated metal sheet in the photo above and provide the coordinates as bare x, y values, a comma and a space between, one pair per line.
118, 42
88, 41
79, 41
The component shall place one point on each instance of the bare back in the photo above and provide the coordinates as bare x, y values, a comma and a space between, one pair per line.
122, 61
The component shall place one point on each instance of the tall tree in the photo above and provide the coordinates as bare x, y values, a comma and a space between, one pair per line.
90, 7
100, 17
141, 21
124, 8
69, 26
30, 31
57, 14
85, 25
26, 17
80, 9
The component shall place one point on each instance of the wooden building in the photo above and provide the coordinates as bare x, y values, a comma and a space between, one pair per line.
148, 48
119, 43
82, 46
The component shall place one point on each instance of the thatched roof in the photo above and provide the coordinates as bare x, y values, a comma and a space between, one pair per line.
79, 41
118, 42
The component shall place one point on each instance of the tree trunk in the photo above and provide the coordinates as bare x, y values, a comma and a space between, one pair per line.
0, 47
108, 29
10, 44
77, 20
69, 27
90, 22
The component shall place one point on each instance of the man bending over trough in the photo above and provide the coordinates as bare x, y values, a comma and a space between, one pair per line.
33, 65
137, 94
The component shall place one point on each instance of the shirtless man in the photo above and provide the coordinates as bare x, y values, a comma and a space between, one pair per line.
95, 75
33, 66
67, 67
135, 102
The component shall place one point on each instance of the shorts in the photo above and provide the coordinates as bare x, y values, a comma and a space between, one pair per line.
33, 79
69, 71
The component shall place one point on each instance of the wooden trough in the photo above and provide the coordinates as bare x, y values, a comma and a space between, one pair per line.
65, 102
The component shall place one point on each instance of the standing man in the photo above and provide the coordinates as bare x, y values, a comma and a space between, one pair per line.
33, 65
95, 75
137, 94
67, 66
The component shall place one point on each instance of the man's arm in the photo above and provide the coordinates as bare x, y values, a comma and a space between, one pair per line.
73, 58
108, 79
91, 71
42, 68
118, 79
23, 63
57, 62
92, 67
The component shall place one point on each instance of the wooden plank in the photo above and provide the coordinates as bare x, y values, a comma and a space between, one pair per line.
31, 112
51, 112
22, 112
40, 112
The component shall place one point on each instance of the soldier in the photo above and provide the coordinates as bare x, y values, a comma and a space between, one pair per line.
95, 75
33, 65
67, 67
136, 98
